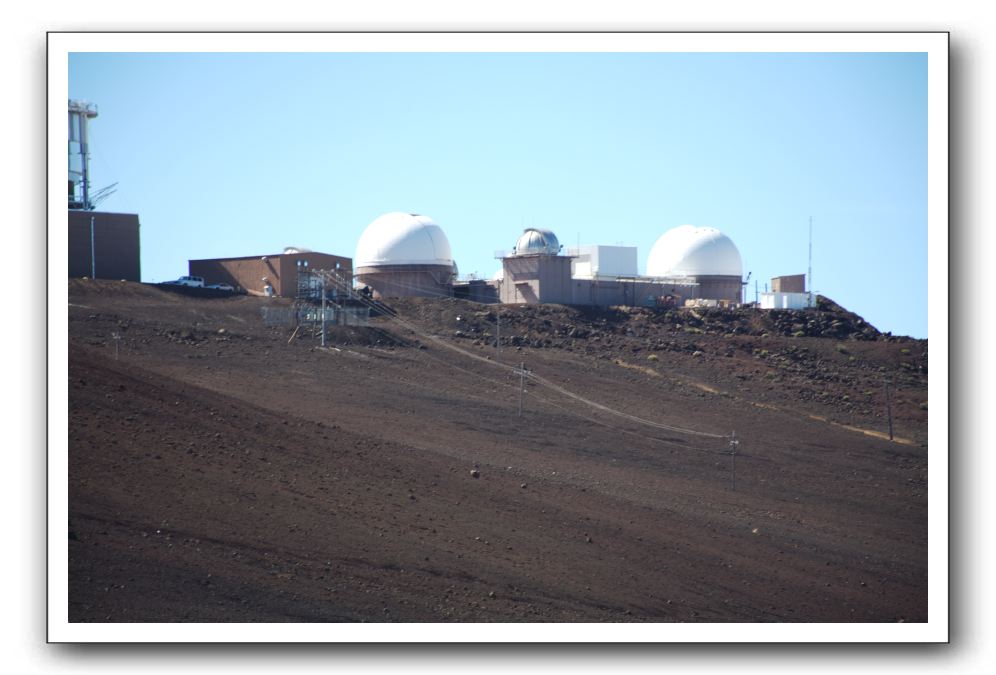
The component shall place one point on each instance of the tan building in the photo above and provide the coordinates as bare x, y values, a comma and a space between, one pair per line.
727, 288
534, 279
429, 281
793, 283
535, 271
279, 272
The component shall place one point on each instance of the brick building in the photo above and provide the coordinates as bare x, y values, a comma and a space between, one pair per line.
278, 271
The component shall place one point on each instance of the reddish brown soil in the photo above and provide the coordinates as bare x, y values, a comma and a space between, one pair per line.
220, 471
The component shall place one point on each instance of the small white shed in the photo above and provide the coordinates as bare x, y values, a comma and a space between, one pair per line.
784, 300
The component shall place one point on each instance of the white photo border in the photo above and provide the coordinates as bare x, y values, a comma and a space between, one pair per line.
933, 44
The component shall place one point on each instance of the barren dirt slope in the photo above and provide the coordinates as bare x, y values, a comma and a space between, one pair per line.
223, 470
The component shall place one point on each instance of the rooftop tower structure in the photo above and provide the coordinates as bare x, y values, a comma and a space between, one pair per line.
80, 114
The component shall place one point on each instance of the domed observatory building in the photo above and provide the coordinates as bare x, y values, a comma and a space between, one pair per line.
700, 255
534, 271
404, 254
535, 241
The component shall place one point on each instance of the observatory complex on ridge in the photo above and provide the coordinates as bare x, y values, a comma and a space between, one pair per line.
686, 263
405, 254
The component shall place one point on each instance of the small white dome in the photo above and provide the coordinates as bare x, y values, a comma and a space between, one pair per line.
535, 241
694, 251
398, 238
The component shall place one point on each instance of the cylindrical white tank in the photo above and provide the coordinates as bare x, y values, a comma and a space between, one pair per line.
402, 254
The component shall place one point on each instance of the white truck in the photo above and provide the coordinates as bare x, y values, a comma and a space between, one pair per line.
196, 282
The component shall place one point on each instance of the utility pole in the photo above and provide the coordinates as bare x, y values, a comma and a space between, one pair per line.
93, 252
323, 309
498, 336
734, 443
888, 407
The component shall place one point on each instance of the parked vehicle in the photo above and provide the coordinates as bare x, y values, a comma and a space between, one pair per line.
196, 282
221, 287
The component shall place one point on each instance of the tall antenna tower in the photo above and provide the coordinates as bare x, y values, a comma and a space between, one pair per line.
809, 275
80, 114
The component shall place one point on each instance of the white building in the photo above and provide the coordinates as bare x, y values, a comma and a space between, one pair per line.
782, 300
787, 292
594, 262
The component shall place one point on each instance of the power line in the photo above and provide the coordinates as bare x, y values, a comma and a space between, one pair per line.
574, 413
550, 385
634, 418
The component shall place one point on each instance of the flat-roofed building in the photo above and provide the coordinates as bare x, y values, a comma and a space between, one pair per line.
792, 283
277, 272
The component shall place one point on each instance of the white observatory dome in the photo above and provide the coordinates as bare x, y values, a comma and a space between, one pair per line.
534, 241
398, 238
694, 251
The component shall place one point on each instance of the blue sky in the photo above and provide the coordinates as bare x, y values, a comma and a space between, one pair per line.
244, 154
